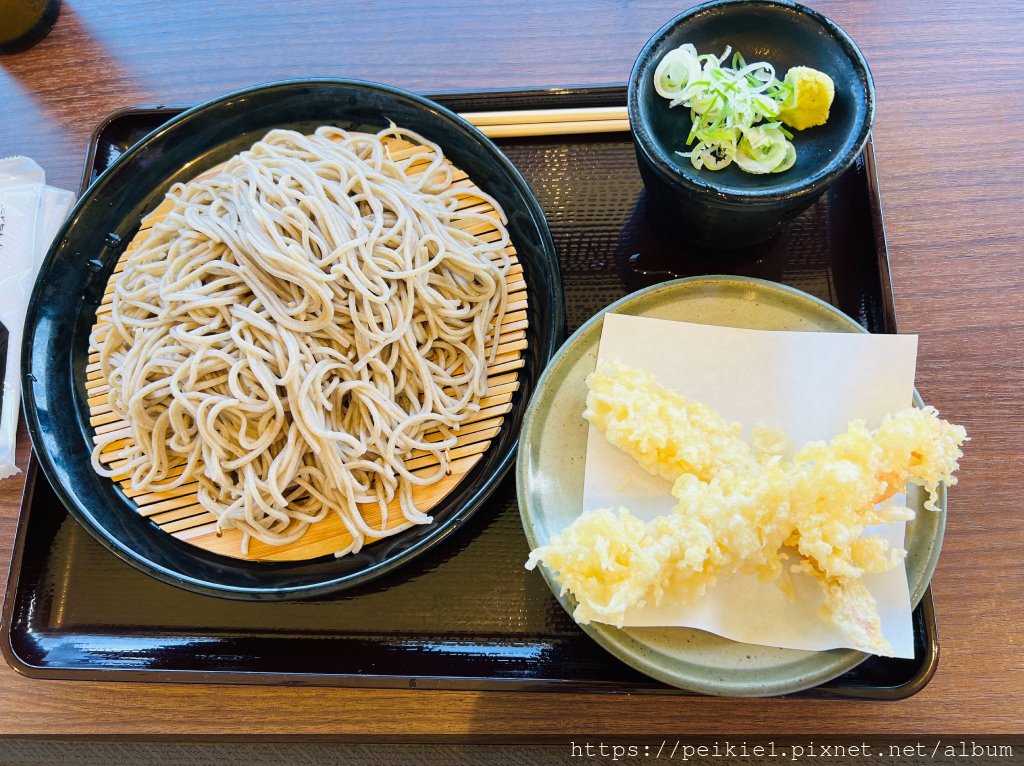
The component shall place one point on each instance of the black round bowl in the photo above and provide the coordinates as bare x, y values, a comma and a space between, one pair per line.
731, 208
72, 279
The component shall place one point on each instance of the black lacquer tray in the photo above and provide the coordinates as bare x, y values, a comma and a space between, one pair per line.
466, 615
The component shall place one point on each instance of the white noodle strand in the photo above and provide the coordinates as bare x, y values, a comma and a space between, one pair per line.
296, 327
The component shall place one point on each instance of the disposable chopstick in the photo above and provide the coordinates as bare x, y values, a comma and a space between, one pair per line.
530, 116
550, 122
555, 128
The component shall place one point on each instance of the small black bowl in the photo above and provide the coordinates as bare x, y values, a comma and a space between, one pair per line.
731, 208
73, 277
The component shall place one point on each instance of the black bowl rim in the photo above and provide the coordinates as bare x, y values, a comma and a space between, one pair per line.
554, 330
808, 187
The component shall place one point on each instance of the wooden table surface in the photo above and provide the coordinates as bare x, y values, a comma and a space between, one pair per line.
948, 138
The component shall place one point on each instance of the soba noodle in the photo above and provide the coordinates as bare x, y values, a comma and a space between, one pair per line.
294, 329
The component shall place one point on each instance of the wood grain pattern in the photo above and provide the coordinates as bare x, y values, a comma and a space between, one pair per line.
950, 172
178, 511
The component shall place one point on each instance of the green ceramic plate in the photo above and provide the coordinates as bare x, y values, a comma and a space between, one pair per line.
550, 486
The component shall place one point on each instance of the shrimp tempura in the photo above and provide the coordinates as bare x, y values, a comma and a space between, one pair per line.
741, 507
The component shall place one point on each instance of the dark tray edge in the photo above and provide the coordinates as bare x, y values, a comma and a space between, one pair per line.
881, 245
612, 94
459, 683
14, 576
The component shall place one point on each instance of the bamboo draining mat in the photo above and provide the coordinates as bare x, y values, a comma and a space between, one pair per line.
178, 511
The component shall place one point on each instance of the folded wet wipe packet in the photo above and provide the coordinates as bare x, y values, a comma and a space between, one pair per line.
30, 215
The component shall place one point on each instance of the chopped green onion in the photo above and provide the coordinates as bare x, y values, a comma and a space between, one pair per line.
727, 106
788, 161
763, 149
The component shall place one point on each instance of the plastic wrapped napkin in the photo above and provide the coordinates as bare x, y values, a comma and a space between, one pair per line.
30, 214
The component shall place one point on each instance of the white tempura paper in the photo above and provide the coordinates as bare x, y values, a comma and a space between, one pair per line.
810, 385
30, 215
